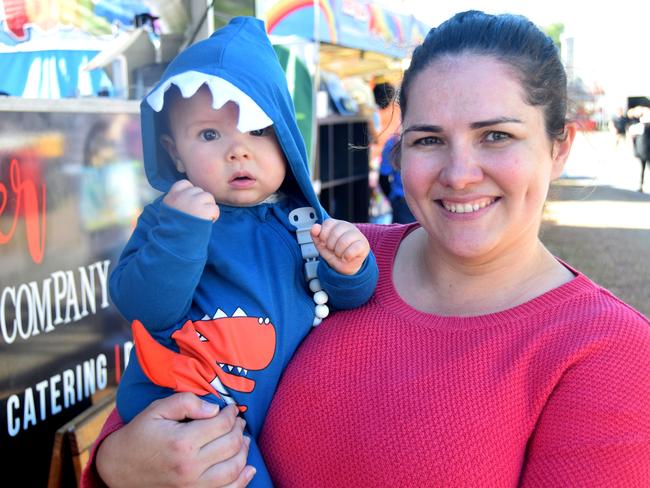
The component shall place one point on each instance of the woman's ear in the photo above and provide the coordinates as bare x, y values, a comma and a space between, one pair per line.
168, 143
561, 149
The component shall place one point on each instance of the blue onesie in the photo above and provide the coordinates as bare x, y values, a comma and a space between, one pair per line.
225, 304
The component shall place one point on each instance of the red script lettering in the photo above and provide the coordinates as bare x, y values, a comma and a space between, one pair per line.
26, 198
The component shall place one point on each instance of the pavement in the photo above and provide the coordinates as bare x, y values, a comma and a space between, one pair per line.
597, 221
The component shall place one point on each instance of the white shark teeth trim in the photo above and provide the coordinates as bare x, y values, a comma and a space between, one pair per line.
206, 317
239, 369
251, 116
239, 313
219, 314
230, 367
201, 337
218, 385
260, 320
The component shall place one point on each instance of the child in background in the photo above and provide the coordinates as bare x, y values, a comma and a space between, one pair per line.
221, 277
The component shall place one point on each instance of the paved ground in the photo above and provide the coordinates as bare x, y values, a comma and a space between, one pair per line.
598, 222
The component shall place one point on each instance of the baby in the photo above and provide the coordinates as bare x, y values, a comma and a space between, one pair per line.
228, 271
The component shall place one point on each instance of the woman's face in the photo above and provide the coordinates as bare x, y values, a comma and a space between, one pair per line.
476, 161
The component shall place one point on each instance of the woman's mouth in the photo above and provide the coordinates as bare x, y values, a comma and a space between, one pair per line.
467, 207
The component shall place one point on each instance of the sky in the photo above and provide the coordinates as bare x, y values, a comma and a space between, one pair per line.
611, 39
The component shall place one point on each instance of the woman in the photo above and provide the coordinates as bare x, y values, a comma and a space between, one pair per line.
481, 360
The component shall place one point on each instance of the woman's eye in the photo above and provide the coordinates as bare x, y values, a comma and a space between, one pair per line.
427, 141
496, 136
209, 135
258, 132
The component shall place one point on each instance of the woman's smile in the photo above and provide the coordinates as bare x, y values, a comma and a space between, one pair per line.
471, 206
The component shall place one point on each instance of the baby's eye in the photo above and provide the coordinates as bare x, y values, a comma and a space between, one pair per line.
259, 132
496, 136
209, 135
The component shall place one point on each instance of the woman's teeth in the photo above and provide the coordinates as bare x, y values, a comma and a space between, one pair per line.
469, 206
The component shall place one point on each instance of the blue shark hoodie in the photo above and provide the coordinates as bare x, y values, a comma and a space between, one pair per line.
231, 294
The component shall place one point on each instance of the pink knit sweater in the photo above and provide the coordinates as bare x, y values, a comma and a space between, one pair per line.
555, 392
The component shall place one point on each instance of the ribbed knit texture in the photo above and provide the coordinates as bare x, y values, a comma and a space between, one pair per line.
554, 392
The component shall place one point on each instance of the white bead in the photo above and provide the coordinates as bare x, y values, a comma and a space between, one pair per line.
320, 297
317, 321
314, 285
322, 311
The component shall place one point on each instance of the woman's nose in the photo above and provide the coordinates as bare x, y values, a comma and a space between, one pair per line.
461, 169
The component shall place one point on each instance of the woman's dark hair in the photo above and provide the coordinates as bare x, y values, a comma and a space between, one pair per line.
511, 39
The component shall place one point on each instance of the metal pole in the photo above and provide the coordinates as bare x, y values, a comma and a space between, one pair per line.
314, 95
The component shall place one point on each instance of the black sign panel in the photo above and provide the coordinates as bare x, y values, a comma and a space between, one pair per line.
71, 188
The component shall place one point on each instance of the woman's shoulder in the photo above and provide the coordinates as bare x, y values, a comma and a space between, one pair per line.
385, 236
596, 311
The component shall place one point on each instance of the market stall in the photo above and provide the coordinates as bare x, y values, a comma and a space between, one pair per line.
347, 45
72, 185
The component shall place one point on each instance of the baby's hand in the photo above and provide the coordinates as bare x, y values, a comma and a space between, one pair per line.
341, 244
186, 197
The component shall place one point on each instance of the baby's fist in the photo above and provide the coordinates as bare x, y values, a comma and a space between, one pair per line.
192, 200
341, 244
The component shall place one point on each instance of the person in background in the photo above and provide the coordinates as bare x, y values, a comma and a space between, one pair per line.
639, 131
390, 181
618, 125
481, 359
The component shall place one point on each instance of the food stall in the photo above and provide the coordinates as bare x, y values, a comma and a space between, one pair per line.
347, 45
71, 187
72, 182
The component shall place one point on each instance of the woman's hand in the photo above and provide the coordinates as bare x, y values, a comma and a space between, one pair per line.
157, 448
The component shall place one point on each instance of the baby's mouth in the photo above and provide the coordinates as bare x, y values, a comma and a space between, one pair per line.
241, 178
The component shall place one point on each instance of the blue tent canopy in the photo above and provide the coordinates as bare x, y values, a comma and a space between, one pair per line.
51, 74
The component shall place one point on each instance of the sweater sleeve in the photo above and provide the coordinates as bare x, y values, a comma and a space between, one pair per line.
595, 427
160, 267
349, 291
89, 477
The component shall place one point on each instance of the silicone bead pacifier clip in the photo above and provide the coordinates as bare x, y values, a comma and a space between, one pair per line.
302, 219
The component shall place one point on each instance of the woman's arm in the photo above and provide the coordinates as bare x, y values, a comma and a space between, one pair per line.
595, 427
159, 448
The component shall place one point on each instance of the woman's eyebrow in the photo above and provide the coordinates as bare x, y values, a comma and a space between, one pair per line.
496, 121
423, 128
474, 125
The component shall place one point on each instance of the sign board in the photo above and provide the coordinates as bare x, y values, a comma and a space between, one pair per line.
71, 188
359, 24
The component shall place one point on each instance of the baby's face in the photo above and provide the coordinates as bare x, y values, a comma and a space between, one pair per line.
239, 169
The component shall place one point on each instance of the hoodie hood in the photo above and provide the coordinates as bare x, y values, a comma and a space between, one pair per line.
237, 63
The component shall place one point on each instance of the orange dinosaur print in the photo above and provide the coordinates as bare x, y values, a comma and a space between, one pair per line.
211, 350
